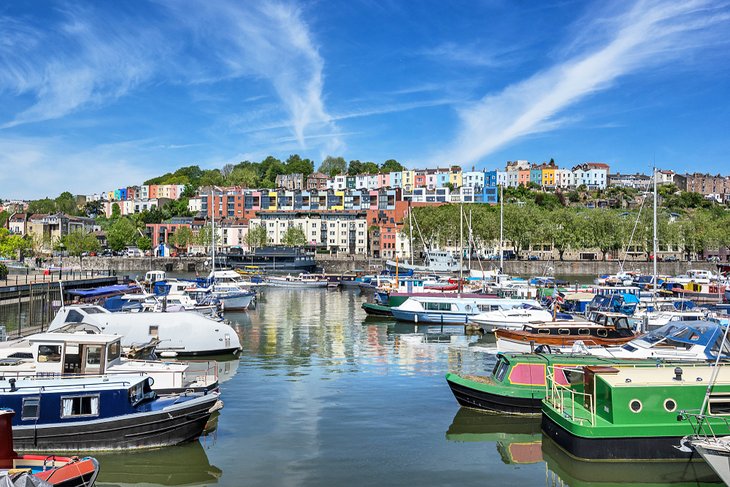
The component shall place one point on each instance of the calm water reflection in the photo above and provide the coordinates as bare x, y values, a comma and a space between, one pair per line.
324, 396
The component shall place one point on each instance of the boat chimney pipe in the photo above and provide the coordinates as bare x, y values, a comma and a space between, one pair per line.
678, 373
12, 385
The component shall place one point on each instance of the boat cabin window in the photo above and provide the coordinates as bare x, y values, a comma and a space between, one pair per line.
137, 393
719, 405
80, 406
716, 347
74, 316
114, 351
93, 311
437, 306
563, 331
584, 331
154, 330
601, 332
31, 408
544, 331
93, 355
49, 353
499, 376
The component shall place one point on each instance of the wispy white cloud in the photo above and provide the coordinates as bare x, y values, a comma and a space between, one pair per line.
83, 60
471, 54
648, 34
269, 40
36, 167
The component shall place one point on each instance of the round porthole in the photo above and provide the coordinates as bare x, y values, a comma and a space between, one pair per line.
635, 405
670, 405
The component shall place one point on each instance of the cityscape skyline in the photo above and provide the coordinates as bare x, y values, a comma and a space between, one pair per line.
104, 95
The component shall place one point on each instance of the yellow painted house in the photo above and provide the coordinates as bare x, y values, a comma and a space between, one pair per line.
408, 179
273, 200
455, 176
549, 176
340, 196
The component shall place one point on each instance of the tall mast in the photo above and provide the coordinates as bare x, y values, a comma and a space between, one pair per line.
470, 240
501, 227
410, 228
212, 229
656, 240
461, 245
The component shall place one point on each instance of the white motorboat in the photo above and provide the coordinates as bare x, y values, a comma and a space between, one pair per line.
513, 318
451, 309
679, 340
229, 288
305, 281
179, 333
45, 354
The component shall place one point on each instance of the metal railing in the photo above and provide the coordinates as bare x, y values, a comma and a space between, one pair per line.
557, 395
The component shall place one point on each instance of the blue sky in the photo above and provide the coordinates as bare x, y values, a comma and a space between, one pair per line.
98, 95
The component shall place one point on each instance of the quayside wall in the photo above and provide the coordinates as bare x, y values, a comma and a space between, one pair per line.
348, 263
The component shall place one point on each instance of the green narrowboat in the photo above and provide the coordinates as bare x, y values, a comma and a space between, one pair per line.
633, 413
518, 381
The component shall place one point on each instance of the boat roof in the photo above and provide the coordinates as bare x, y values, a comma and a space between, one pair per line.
101, 291
80, 338
569, 358
664, 375
579, 296
699, 332
27, 385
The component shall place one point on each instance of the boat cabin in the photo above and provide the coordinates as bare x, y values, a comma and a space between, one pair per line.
68, 353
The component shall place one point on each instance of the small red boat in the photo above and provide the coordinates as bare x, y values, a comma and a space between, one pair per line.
52, 469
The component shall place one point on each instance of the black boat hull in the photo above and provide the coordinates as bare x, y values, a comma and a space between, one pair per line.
616, 449
169, 426
473, 398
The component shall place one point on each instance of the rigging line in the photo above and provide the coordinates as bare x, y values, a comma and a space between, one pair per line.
631, 239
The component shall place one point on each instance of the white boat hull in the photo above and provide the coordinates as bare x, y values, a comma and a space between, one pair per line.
716, 452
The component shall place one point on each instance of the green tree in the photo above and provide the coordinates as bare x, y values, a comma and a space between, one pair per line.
354, 168
182, 238
121, 233
294, 237
92, 209
295, 164
116, 211
332, 166
45, 205
4, 215
520, 226
66, 203
144, 243
391, 165
256, 237
246, 176
78, 242
14, 246
204, 237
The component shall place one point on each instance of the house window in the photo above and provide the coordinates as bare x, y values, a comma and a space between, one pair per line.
80, 406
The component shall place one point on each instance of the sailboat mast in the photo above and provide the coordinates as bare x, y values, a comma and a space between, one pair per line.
471, 237
501, 227
410, 228
461, 246
212, 225
656, 240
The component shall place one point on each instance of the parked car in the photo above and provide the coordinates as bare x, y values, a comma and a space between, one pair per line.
533, 257
670, 258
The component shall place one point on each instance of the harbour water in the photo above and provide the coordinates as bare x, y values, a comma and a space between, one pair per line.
322, 395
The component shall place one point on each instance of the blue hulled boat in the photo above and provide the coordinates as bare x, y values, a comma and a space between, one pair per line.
101, 413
